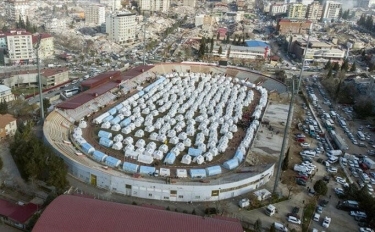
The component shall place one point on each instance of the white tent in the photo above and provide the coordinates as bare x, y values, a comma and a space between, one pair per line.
208, 156
158, 155
106, 125
163, 148
145, 159
128, 140
131, 153
130, 147
174, 140
139, 133
153, 136
199, 159
176, 151
186, 159
82, 124
117, 146
148, 152
116, 127
151, 145
181, 173
140, 143
140, 150
126, 130
118, 138
187, 142
165, 172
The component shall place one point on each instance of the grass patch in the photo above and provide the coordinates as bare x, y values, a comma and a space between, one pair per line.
308, 212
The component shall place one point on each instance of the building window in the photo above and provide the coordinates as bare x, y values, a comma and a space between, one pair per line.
180, 196
173, 191
150, 194
166, 198
215, 193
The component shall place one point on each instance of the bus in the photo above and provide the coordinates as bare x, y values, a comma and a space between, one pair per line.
71, 92
311, 130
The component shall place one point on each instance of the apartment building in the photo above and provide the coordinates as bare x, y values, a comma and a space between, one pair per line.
8, 125
113, 4
297, 10
46, 47
293, 26
55, 25
154, 5
278, 8
191, 3
331, 10
314, 11
3, 41
95, 14
16, 8
6, 94
20, 46
120, 26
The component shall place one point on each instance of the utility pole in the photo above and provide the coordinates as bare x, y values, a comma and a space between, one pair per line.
144, 38
290, 112
39, 81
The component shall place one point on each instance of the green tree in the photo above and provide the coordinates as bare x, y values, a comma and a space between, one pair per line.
363, 107
329, 75
285, 163
212, 45
363, 53
272, 228
345, 65
46, 105
336, 67
5, 28
353, 68
320, 187
3, 107
1, 163
328, 65
220, 50
228, 52
218, 36
258, 225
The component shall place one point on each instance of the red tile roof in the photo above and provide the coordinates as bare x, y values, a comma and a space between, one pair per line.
42, 36
5, 119
73, 213
16, 212
96, 91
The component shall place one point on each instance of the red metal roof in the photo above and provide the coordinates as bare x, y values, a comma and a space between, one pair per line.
73, 213
96, 91
18, 213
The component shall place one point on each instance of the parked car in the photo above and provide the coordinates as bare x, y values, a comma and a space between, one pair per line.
332, 169
301, 182
319, 209
326, 222
294, 220
358, 213
305, 145
365, 229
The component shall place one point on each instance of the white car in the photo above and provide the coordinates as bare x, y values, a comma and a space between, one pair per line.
365, 229
332, 169
305, 145
358, 214
326, 222
341, 180
294, 220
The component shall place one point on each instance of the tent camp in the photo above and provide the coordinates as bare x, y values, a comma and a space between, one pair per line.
194, 152
104, 134
213, 170
165, 172
87, 148
112, 162
181, 173
170, 158
231, 164
99, 156
145, 159
130, 167
197, 173
105, 142
147, 170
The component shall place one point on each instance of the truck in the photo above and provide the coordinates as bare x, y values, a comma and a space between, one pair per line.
300, 168
270, 210
340, 142
369, 163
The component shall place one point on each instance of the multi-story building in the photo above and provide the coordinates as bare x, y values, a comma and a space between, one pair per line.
55, 25
191, 3
20, 46
293, 26
154, 5
8, 125
366, 3
46, 47
297, 10
331, 10
28, 79
16, 8
314, 11
317, 50
120, 26
113, 4
278, 8
3, 40
95, 14
6, 94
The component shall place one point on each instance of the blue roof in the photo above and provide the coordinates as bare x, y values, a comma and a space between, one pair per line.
112, 162
86, 147
146, 170
130, 167
99, 156
200, 173
213, 170
194, 152
231, 164
170, 158
256, 43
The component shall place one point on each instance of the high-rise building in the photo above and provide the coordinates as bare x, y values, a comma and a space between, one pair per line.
55, 25
314, 11
154, 5
95, 14
297, 10
191, 3
46, 47
120, 26
16, 8
20, 46
278, 8
113, 4
331, 10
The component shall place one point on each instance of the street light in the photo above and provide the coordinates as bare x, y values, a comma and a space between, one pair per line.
37, 46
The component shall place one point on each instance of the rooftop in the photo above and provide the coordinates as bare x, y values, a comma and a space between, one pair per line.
256, 43
46, 72
19, 213
5, 119
42, 36
4, 88
74, 213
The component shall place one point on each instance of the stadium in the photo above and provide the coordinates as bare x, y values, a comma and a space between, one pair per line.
172, 132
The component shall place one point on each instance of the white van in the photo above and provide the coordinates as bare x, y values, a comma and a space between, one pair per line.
280, 227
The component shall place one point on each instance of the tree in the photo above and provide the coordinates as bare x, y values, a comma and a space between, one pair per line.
272, 228
353, 68
320, 187
285, 163
220, 50
258, 225
3, 107
212, 45
5, 28
363, 53
329, 75
336, 67
218, 36
328, 65
228, 52
345, 65
1, 163
363, 107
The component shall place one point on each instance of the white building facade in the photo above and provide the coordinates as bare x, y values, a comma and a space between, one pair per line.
55, 25
6, 94
278, 8
16, 8
20, 46
120, 27
154, 5
331, 10
95, 14
191, 3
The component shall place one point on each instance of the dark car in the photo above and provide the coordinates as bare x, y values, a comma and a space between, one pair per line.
362, 224
326, 178
323, 203
305, 178
295, 210
301, 182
